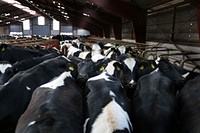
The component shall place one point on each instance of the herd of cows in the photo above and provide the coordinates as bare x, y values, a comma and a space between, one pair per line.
103, 88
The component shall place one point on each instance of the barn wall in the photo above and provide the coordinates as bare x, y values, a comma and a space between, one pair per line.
159, 25
66, 28
4, 30
80, 32
127, 30
43, 30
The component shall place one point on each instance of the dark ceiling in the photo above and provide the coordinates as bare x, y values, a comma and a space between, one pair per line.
83, 13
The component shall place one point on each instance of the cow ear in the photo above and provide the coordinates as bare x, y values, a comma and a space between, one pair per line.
118, 66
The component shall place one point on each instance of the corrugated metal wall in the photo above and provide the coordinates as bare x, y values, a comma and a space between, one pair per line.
159, 25
127, 30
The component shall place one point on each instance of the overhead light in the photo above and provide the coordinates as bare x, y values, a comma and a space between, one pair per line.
58, 3
54, 2
87, 15
66, 16
62, 7
20, 6
16, 16
7, 22
58, 6
7, 14
22, 19
0, 20
65, 13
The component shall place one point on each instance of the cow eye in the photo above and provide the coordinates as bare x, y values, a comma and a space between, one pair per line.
101, 68
152, 66
142, 67
71, 68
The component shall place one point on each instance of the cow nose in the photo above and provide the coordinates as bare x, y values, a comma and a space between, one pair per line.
80, 76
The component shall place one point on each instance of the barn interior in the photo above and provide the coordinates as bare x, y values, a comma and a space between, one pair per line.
99, 66
169, 28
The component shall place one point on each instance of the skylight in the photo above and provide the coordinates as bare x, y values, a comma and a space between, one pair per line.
41, 20
56, 25
26, 24
20, 6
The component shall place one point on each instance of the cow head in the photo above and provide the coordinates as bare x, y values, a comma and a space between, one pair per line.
171, 71
87, 68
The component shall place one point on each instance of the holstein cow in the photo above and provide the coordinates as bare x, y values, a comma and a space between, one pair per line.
154, 104
108, 108
55, 107
189, 97
87, 68
24, 65
3, 66
13, 54
16, 94
133, 69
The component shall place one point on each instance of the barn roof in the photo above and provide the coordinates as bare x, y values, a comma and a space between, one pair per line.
86, 13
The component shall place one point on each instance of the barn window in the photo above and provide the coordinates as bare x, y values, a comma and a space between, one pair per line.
41, 20
26, 24
56, 25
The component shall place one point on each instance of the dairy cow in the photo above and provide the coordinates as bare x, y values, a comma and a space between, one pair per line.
16, 94
13, 54
154, 104
56, 106
189, 115
24, 65
107, 105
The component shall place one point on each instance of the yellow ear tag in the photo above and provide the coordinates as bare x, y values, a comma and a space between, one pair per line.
3, 49
118, 68
71, 68
101, 68
142, 67
152, 66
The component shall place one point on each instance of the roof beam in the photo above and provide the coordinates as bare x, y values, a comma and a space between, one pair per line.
129, 11
77, 15
195, 3
93, 30
120, 8
97, 14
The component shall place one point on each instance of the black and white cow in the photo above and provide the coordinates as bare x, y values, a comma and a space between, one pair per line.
87, 68
16, 94
13, 54
154, 104
189, 100
55, 107
25, 65
133, 69
108, 107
